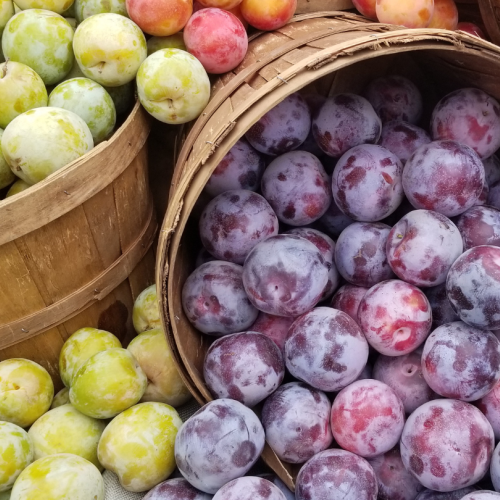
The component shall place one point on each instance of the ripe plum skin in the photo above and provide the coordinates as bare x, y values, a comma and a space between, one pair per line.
494, 195
482, 495
492, 169
480, 225
249, 488
347, 299
495, 468
176, 489
274, 327
442, 312
451, 495
490, 406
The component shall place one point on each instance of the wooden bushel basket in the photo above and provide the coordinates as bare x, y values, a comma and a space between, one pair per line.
325, 53
76, 249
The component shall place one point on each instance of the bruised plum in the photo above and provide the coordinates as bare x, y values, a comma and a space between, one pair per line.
348, 298
176, 489
274, 327
480, 226
402, 138
249, 488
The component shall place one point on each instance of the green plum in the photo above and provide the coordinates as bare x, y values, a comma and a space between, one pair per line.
17, 187
6, 175
61, 398
58, 6
146, 313
6, 12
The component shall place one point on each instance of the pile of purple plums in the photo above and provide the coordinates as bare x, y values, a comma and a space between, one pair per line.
349, 280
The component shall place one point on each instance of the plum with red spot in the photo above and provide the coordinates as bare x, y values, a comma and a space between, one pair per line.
296, 419
360, 254
366, 183
219, 443
395, 317
327, 248
249, 488
492, 169
285, 275
297, 187
274, 327
495, 468
422, 246
241, 168
234, 222
394, 97
345, 121
334, 221
444, 176
403, 138
469, 116
366, 8
473, 286
404, 375
394, 481
283, 128
447, 444
494, 195
214, 299
442, 312
490, 406
451, 495
217, 39
480, 226
176, 489
326, 349
336, 475
348, 298
482, 495
367, 418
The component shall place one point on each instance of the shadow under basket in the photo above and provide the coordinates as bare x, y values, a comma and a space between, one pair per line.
324, 53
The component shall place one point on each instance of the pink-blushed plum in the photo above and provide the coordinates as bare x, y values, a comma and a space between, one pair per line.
395, 317
422, 246
408, 13
274, 327
394, 481
246, 366
451, 495
327, 248
403, 138
492, 169
249, 488
447, 444
469, 116
297, 187
348, 298
494, 195
473, 285
336, 475
442, 312
404, 375
217, 39
334, 221
269, 15
461, 362
234, 222
345, 121
241, 168
285, 275
366, 183
215, 301
360, 254
445, 16
490, 406
296, 419
495, 468
471, 29
326, 349
366, 8
367, 418
283, 128
176, 489
482, 495
219, 443
480, 226
445, 176
162, 17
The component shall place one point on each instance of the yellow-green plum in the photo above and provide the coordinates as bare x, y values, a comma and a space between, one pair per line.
146, 313
42, 40
16, 453
17, 188
26, 391
43, 140
107, 384
58, 6
59, 477
175, 41
72, 22
89, 101
66, 430
155, 357
87, 8
70, 12
109, 49
21, 90
6, 12
123, 97
81, 346
138, 445
61, 398
6, 175
173, 86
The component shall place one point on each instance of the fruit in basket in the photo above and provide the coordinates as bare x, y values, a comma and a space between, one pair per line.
80, 347
274, 327
173, 86
138, 445
156, 359
345, 121
43, 140
175, 41
447, 444
146, 312
354, 476
176, 489
16, 453
402, 138
87, 8
219, 443
234, 10
26, 391
296, 420
66, 430
220, 4
49, 51
445, 16
108, 383
408, 13
480, 226
57, 6
469, 116
59, 477
472, 29
366, 8
6, 12
21, 88
6, 175
249, 488
269, 15
109, 48
61, 398
284, 128
476, 306
89, 101
17, 188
